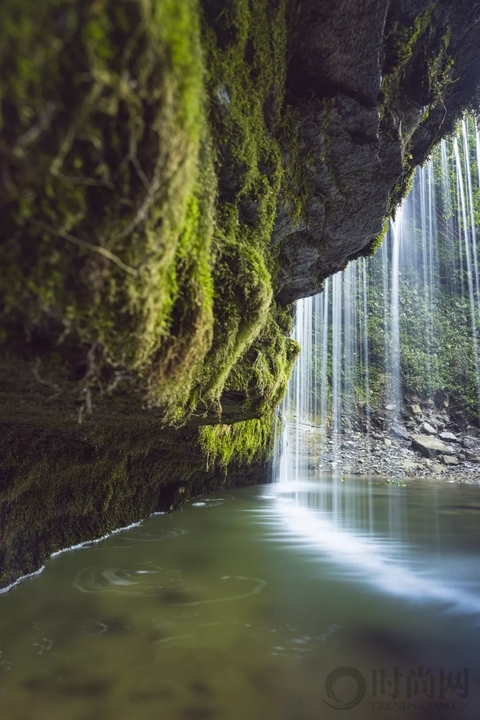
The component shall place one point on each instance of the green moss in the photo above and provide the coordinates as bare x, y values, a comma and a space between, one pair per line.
264, 370
103, 110
377, 242
244, 442
245, 58
253, 354
63, 483
403, 45
401, 188
262, 373
295, 188
114, 225
175, 365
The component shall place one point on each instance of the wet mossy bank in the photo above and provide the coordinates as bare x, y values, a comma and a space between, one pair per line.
173, 174
62, 485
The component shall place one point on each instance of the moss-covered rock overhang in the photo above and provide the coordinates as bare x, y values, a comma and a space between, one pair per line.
173, 173
141, 168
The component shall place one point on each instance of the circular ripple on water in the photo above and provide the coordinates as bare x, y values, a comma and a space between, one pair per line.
241, 582
143, 579
147, 579
155, 536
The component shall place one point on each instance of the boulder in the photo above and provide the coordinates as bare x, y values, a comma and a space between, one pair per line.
449, 460
416, 409
448, 437
437, 468
429, 429
430, 446
472, 457
400, 432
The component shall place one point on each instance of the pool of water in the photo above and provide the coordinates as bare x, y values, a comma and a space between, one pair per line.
285, 602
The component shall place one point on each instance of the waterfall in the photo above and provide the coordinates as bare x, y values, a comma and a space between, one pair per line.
394, 357
469, 237
398, 326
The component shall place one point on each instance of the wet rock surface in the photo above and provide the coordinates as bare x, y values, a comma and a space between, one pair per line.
364, 78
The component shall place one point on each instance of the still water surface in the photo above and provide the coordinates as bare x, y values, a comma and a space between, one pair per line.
242, 605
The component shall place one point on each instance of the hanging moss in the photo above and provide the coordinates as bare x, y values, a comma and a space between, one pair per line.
262, 373
377, 242
138, 217
264, 370
245, 56
245, 442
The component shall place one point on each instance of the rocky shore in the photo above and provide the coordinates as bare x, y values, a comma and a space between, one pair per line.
426, 443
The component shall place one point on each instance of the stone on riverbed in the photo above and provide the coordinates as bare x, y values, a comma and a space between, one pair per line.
449, 460
430, 446
410, 466
400, 432
471, 457
429, 429
448, 437
434, 466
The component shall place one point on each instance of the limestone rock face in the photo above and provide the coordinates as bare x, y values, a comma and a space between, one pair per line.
376, 85
159, 216
350, 172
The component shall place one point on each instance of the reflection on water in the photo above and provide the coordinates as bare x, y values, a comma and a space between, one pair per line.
244, 605
348, 538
